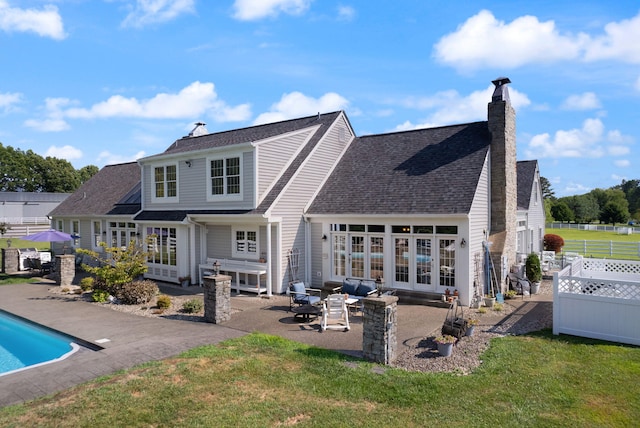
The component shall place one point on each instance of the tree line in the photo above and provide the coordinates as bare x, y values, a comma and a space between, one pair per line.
27, 171
617, 204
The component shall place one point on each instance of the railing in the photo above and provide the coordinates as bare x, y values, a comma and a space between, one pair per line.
598, 227
25, 220
599, 299
608, 249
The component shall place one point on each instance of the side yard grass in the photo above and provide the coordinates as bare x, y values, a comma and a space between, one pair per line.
262, 380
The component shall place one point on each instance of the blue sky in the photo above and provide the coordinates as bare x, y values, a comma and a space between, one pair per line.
100, 82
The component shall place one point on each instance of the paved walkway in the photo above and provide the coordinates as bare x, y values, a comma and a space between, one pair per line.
135, 339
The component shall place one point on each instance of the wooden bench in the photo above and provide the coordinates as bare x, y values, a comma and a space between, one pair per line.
235, 268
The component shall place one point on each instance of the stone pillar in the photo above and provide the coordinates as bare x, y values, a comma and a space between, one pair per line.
379, 329
10, 260
65, 269
217, 298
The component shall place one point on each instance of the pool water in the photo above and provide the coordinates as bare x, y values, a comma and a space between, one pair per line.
24, 344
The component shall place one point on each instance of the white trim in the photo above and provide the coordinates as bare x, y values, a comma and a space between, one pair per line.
225, 197
164, 199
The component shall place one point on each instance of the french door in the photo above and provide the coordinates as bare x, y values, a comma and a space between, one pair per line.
413, 263
358, 256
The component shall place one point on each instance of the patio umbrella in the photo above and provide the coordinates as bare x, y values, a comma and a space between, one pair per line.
50, 235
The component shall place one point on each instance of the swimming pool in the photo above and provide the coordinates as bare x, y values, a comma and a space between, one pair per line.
24, 344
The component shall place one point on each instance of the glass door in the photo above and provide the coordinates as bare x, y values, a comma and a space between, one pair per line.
423, 264
447, 262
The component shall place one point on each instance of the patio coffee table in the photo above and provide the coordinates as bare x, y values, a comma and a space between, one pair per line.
305, 312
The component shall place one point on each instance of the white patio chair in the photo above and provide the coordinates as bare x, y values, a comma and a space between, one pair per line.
334, 313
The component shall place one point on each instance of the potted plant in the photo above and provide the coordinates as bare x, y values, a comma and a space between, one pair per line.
489, 301
533, 271
471, 326
445, 344
185, 280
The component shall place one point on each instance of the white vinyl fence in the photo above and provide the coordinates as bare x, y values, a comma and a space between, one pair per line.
599, 299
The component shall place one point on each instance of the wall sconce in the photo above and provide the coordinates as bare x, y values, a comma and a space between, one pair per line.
216, 268
324, 237
188, 163
463, 243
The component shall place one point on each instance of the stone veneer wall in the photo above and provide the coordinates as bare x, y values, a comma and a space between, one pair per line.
65, 269
380, 329
504, 181
217, 298
11, 260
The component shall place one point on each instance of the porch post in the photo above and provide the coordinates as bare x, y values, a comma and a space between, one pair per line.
269, 261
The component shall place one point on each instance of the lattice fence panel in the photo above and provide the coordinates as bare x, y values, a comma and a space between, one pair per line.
617, 266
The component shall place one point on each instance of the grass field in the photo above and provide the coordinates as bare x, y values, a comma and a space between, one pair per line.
261, 380
593, 235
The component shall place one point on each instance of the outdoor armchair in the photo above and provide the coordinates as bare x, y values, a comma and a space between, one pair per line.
300, 295
334, 313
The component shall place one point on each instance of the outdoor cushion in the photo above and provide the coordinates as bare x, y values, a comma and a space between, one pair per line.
349, 287
365, 288
300, 295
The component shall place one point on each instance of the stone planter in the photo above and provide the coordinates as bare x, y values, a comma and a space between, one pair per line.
489, 301
445, 349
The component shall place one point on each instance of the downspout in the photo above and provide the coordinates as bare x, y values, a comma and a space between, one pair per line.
307, 251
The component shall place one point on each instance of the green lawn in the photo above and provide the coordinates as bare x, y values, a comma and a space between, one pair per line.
261, 380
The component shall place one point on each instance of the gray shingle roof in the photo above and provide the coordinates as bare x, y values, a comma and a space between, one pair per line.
247, 135
112, 191
526, 171
427, 171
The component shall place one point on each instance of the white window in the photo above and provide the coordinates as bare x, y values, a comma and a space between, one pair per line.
224, 178
163, 245
75, 232
97, 234
165, 181
60, 225
245, 242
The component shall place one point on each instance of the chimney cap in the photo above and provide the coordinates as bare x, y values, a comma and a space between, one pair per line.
199, 130
501, 93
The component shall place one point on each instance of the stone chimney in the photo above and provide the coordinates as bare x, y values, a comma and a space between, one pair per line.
504, 180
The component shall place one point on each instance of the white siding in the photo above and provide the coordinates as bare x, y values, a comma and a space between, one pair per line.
275, 155
299, 192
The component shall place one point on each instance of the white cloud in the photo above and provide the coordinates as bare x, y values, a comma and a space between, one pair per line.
148, 12
9, 100
296, 104
451, 107
107, 158
484, 41
588, 141
637, 84
47, 125
46, 22
65, 152
253, 10
346, 13
585, 101
620, 42
191, 102
622, 163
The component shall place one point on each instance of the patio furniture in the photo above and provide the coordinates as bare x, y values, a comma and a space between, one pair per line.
251, 272
335, 314
305, 312
300, 295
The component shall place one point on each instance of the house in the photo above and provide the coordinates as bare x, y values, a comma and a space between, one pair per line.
531, 216
305, 199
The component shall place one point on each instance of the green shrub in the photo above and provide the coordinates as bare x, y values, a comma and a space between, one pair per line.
86, 283
136, 292
100, 296
192, 306
532, 268
163, 301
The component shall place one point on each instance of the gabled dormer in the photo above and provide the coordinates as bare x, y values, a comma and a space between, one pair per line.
238, 169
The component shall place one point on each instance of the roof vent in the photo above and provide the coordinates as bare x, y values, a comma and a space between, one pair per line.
501, 93
199, 130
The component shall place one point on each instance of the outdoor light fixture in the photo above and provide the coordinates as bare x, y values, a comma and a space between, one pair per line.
379, 285
463, 243
324, 237
188, 163
216, 267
